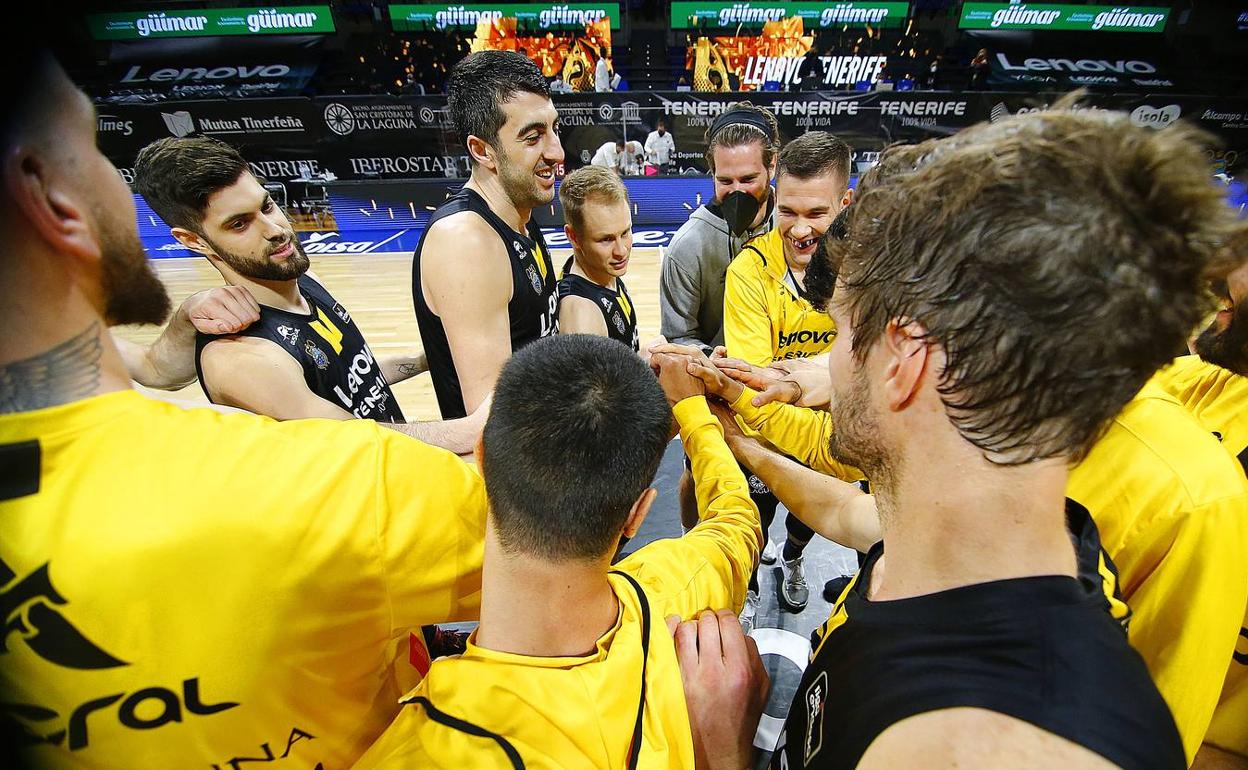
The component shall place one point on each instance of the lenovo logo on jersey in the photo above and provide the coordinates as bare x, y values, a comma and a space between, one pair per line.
804, 336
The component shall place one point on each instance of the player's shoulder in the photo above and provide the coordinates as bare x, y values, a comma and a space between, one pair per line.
975, 738
231, 352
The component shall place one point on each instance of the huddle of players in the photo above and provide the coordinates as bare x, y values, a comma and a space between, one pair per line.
963, 394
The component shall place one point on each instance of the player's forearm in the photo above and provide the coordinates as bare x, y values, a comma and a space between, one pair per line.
719, 485
796, 431
459, 436
402, 367
169, 362
835, 509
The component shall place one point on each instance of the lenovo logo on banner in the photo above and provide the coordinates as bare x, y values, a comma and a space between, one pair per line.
1120, 66
242, 72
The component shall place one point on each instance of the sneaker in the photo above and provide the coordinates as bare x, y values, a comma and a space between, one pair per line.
748, 612
769, 553
793, 591
833, 588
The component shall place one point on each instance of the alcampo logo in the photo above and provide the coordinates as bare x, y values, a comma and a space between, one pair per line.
160, 22
271, 18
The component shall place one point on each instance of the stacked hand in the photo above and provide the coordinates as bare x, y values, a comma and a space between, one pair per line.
714, 382
725, 687
223, 310
799, 381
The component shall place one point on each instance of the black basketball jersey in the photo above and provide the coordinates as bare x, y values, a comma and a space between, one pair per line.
1046, 650
532, 312
614, 304
337, 363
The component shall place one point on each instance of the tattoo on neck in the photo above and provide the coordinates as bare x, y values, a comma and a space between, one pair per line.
65, 373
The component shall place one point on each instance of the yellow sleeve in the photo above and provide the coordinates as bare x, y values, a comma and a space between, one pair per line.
747, 326
431, 533
798, 432
710, 566
1201, 569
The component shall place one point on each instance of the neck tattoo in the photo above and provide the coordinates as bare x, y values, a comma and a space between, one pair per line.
65, 373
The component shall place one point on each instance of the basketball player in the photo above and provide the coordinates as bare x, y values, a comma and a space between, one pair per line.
572, 665
741, 147
939, 402
599, 225
1167, 501
304, 357
767, 317
482, 280
184, 588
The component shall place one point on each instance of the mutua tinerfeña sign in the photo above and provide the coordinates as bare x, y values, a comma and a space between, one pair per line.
1088, 18
436, 16
212, 22
725, 15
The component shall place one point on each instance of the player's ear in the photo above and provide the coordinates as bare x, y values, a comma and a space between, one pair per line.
51, 207
907, 361
192, 241
637, 514
482, 152
848, 197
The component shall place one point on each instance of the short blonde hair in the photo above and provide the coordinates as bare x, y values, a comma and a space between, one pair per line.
597, 182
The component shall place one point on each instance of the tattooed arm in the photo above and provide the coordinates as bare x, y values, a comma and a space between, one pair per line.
400, 367
64, 373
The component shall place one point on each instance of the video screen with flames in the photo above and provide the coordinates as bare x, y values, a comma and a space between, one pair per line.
723, 63
570, 55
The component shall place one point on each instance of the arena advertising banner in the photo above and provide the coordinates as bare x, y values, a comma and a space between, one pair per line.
1084, 18
727, 15
1041, 72
287, 20
436, 16
300, 142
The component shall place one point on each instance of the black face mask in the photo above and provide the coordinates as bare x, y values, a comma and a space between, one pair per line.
739, 209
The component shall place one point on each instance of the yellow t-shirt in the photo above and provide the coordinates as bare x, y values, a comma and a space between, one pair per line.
184, 587
796, 431
764, 318
1218, 397
485, 708
1172, 509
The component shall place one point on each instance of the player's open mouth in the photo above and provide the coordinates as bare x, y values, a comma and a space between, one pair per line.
547, 175
620, 265
809, 243
283, 251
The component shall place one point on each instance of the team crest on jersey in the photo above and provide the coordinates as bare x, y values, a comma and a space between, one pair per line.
289, 334
618, 321
535, 280
816, 696
342, 313
316, 354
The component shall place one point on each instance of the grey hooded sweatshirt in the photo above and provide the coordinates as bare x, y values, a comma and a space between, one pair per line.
691, 285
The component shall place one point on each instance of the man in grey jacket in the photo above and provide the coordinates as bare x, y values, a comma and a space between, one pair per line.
741, 149
741, 152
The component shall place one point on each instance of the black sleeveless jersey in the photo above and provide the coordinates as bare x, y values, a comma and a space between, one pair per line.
1045, 650
337, 363
615, 305
532, 312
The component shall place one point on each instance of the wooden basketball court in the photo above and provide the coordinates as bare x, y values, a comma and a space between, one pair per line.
377, 290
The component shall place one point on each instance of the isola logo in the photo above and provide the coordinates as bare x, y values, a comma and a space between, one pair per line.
30, 606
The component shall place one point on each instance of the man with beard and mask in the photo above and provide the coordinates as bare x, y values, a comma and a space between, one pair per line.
741, 152
181, 587
984, 359
767, 317
304, 357
482, 278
